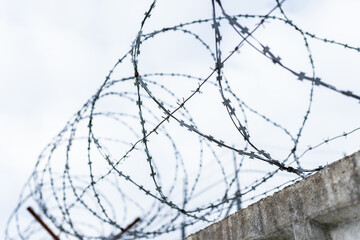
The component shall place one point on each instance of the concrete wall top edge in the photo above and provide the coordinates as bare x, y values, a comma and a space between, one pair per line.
310, 207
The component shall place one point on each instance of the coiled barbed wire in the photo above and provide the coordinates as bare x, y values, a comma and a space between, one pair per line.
140, 149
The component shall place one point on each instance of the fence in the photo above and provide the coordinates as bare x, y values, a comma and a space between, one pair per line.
164, 146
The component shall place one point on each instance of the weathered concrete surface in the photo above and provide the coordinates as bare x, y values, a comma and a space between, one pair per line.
325, 205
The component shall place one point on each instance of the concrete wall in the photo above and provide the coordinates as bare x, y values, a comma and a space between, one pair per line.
325, 205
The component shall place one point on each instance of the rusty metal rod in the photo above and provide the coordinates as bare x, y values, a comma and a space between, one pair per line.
42, 223
117, 236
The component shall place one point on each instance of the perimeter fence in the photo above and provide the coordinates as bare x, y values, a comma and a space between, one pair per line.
158, 154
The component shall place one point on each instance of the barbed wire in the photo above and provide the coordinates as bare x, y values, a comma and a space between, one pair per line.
137, 161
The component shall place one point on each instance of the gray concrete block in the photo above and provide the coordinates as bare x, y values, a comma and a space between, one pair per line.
323, 206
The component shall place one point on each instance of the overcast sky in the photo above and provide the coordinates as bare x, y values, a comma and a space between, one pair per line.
55, 54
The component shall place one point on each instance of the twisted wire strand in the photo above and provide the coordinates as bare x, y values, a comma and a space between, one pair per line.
138, 149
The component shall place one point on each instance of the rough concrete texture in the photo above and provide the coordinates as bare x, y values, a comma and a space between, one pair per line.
325, 205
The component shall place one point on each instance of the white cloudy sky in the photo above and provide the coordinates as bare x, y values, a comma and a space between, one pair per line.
55, 54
